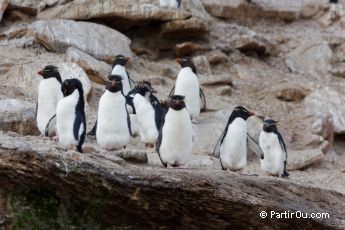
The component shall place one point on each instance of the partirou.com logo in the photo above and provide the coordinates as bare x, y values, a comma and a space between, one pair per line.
292, 215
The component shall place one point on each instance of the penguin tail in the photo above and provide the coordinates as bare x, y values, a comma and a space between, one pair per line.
93, 130
79, 149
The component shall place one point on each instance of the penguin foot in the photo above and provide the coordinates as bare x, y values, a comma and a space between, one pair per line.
194, 121
285, 175
55, 138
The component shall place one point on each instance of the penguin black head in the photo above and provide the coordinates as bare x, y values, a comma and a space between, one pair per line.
186, 62
143, 87
114, 83
69, 85
270, 126
242, 112
333, 1
50, 71
176, 102
120, 60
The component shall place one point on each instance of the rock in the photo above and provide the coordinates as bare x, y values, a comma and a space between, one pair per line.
97, 40
301, 159
338, 70
291, 92
227, 37
327, 101
32, 7
202, 162
18, 116
340, 51
219, 79
126, 13
224, 90
133, 155
217, 57
202, 65
97, 71
3, 6
267, 9
334, 13
187, 48
324, 127
187, 28
310, 57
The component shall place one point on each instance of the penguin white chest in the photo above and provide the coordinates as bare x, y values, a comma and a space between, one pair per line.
274, 155
177, 138
121, 71
187, 84
65, 118
112, 125
168, 3
233, 150
146, 117
49, 94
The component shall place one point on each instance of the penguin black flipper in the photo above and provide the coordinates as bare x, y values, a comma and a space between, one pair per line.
51, 123
172, 91
221, 164
283, 146
203, 100
220, 141
159, 142
129, 101
254, 146
159, 113
129, 123
79, 122
131, 81
179, 3
36, 110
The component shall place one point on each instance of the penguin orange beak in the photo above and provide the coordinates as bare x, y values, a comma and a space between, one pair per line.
251, 113
40, 72
179, 61
153, 90
113, 83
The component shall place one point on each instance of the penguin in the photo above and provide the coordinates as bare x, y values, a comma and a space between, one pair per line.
49, 93
187, 84
175, 139
233, 141
70, 115
274, 148
170, 3
119, 68
113, 121
149, 112
333, 1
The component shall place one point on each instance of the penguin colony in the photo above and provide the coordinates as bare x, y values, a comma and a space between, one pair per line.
128, 108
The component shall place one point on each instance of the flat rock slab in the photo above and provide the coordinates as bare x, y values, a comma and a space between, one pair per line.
32, 7
18, 116
304, 158
97, 40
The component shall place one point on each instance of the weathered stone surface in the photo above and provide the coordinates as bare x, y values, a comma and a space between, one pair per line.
3, 6
148, 194
311, 57
187, 48
32, 7
338, 70
304, 158
18, 116
124, 13
216, 79
327, 101
133, 155
268, 9
97, 71
190, 27
224, 90
291, 92
217, 57
231, 36
97, 40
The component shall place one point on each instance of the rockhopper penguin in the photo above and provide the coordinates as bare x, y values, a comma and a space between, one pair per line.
70, 115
